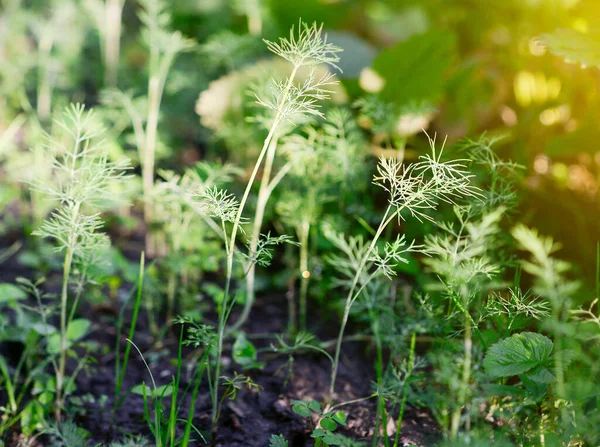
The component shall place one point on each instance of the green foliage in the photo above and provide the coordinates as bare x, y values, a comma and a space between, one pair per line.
574, 46
422, 74
519, 354
244, 353
329, 420
277, 441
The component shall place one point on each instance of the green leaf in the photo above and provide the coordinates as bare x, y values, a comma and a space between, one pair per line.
10, 293
315, 406
339, 417
53, 345
160, 392
277, 441
302, 410
142, 389
328, 424
574, 46
244, 352
541, 375
77, 329
332, 439
164, 390
494, 390
517, 354
318, 433
415, 69
43, 328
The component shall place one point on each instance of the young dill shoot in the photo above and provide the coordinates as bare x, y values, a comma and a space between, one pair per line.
83, 177
307, 46
286, 103
414, 189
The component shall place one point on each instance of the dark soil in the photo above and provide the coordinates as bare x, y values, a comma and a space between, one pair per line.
253, 417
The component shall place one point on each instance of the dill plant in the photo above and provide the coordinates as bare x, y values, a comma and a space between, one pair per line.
322, 161
413, 189
461, 258
82, 178
163, 46
173, 199
288, 101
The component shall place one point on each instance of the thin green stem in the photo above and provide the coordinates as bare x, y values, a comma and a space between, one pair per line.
304, 272
264, 193
231, 246
387, 218
411, 365
464, 383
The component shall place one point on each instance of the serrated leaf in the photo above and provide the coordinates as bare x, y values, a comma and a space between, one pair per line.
277, 441
574, 46
10, 293
328, 424
414, 70
517, 354
541, 375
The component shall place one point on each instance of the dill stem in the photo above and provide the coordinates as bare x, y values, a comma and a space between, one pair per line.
264, 193
411, 365
466, 375
304, 232
223, 311
387, 218
113, 11
62, 359
148, 157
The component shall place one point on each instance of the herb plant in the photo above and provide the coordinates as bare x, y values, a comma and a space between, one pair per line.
83, 176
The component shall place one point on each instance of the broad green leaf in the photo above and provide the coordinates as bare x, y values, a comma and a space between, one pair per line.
574, 46
160, 392
541, 374
315, 406
302, 410
77, 329
244, 353
339, 417
517, 354
318, 433
328, 424
10, 292
43, 328
142, 389
332, 439
164, 390
53, 345
414, 70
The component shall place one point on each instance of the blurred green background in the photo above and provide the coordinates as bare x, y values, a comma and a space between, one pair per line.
523, 70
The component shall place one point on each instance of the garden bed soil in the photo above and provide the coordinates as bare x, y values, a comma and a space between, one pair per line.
253, 417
